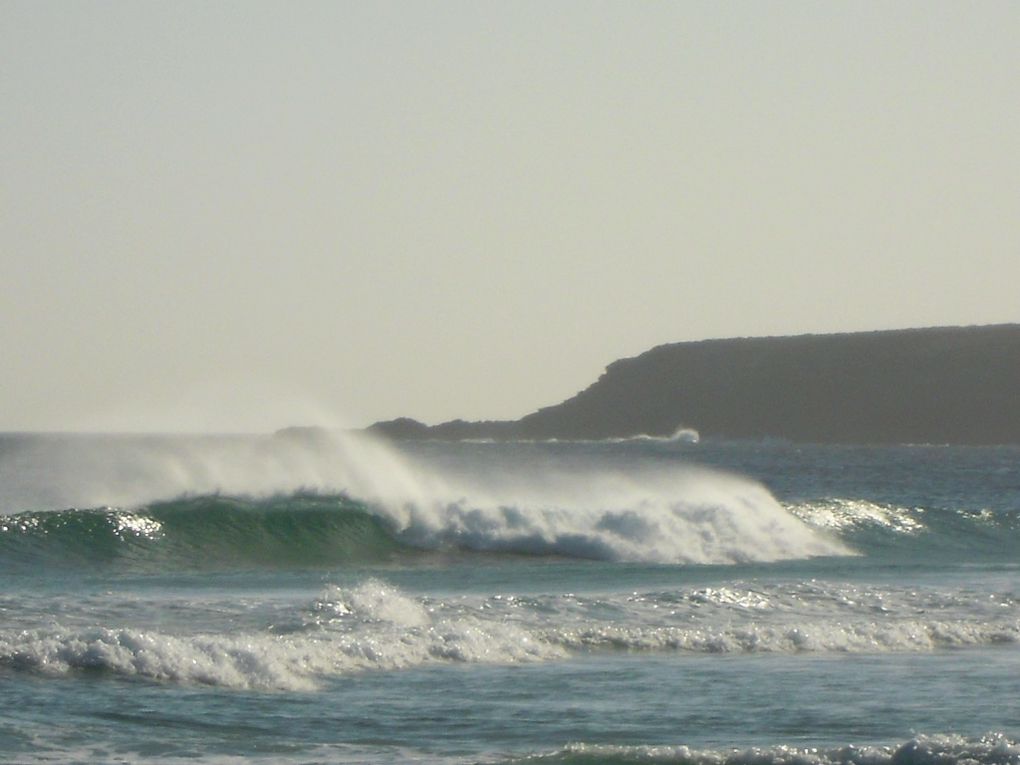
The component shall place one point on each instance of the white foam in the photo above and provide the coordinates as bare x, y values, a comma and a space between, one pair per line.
376, 626
805, 637
258, 661
796, 617
535, 504
368, 627
946, 749
372, 601
240, 662
683, 516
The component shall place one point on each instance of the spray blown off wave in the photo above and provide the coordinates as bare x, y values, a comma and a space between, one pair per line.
324, 499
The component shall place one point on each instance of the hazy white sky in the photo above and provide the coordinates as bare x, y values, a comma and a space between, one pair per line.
239, 216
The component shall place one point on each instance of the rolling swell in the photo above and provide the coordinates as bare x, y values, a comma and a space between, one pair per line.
201, 532
881, 529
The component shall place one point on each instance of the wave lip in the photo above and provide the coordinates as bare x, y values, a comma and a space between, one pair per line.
690, 518
681, 515
282, 496
200, 532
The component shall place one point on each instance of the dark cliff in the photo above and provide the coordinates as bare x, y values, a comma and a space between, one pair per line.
956, 385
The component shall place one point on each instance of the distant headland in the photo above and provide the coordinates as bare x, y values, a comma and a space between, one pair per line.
955, 385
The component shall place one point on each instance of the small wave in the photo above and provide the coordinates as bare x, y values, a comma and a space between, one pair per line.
777, 618
682, 435
368, 627
806, 637
375, 626
259, 661
943, 749
784, 618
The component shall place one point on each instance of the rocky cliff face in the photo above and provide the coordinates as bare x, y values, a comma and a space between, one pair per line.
940, 385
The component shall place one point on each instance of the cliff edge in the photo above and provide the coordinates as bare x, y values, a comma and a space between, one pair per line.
958, 385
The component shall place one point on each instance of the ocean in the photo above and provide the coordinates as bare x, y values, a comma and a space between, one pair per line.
309, 597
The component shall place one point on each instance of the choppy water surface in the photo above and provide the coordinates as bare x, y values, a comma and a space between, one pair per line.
314, 598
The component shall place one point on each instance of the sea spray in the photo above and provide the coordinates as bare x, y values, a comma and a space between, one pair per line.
534, 504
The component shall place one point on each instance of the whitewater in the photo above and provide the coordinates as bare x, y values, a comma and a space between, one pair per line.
312, 596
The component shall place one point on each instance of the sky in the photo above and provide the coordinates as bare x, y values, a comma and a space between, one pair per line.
238, 216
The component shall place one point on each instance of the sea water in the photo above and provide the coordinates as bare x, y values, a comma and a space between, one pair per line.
311, 597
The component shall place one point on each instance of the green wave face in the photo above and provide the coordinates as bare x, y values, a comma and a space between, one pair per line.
885, 530
200, 532
310, 530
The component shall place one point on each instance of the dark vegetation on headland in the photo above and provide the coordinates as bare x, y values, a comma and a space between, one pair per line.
957, 385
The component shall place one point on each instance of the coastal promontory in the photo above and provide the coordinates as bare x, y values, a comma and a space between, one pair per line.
957, 385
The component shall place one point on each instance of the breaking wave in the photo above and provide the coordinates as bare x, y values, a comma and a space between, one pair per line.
368, 627
315, 499
373, 625
319, 499
307, 529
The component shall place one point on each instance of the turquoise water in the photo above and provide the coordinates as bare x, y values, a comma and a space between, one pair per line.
313, 598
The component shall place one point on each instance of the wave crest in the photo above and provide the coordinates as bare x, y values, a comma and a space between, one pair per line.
374, 625
326, 499
371, 626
